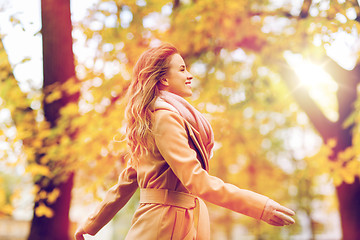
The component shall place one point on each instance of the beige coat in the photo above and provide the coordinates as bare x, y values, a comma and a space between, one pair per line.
177, 164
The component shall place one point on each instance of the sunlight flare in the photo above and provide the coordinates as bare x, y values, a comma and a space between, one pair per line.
321, 86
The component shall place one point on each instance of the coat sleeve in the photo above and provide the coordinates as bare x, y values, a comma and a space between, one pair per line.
115, 198
171, 138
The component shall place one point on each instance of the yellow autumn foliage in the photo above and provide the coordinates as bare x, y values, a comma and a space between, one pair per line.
53, 96
52, 196
228, 46
43, 210
36, 169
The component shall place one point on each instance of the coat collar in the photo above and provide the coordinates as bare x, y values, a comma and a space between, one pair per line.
192, 132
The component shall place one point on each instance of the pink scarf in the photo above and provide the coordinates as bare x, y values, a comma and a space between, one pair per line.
193, 116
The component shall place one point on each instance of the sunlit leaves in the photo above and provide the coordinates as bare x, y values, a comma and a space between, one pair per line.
342, 170
38, 170
346, 168
43, 210
5, 205
232, 48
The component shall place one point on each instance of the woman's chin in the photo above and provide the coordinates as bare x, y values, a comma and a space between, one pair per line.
187, 94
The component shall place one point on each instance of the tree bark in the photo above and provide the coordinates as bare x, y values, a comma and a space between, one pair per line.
56, 227
348, 194
349, 206
58, 67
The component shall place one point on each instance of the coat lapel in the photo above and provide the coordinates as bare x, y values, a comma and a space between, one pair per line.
193, 134
196, 139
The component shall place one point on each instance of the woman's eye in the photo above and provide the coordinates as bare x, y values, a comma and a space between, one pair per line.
182, 70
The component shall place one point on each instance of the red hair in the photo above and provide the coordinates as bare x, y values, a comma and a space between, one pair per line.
151, 66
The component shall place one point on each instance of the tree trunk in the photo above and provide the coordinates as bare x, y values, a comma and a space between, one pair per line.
58, 67
56, 227
349, 206
348, 194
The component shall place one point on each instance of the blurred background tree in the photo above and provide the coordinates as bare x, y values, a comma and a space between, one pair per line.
52, 181
281, 129
53, 196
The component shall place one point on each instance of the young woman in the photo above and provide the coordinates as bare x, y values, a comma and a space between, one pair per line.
170, 146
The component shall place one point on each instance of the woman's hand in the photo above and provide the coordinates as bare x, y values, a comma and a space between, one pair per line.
277, 215
79, 234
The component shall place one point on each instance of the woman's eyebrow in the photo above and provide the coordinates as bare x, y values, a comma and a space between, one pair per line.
182, 66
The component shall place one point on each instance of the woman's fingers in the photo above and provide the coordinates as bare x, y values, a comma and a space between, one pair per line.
283, 217
79, 235
277, 215
275, 223
285, 210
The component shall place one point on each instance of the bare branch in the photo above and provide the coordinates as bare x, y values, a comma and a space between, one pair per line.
277, 13
304, 12
305, 9
356, 5
338, 73
176, 4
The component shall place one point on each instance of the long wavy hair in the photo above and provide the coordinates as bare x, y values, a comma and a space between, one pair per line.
152, 65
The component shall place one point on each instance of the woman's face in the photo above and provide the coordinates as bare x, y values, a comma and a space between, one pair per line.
177, 80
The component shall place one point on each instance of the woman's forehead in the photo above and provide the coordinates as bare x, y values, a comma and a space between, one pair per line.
177, 60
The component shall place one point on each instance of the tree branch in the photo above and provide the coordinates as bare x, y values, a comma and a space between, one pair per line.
304, 13
305, 9
347, 82
356, 5
176, 4
334, 69
277, 13
323, 125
